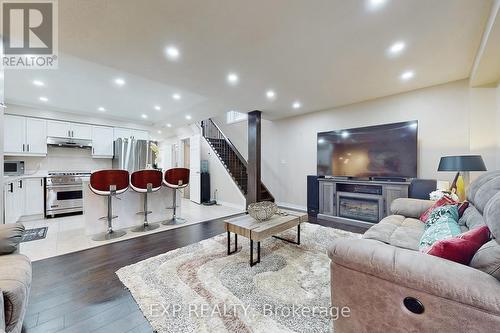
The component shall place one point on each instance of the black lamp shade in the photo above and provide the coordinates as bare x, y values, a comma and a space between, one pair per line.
462, 163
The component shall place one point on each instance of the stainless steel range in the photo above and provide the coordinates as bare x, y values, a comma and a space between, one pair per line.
64, 192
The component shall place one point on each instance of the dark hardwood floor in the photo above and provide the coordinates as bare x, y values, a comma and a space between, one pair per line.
80, 292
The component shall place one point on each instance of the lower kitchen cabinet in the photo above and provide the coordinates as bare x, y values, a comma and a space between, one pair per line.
23, 197
34, 196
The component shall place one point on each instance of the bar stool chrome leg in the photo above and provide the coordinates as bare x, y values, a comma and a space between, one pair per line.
110, 234
175, 220
146, 226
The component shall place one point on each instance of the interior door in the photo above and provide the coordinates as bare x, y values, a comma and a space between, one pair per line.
14, 134
36, 135
195, 166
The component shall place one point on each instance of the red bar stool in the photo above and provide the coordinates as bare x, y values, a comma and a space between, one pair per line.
109, 183
146, 181
176, 178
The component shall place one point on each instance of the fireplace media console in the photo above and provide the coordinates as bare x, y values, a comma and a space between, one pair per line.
358, 202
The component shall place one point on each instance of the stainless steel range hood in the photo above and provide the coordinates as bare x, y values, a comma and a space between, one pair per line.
69, 143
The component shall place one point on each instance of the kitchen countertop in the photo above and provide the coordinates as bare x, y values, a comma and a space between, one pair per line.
28, 174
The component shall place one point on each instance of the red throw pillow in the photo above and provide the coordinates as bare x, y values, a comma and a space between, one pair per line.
461, 248
445, 200
462, 207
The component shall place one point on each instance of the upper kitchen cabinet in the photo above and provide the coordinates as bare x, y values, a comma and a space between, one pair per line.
62, 129
102, 142
81, 131
122, 133
140, 135
127, 133
25, 136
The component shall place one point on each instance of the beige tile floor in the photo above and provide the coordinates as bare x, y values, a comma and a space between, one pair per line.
67, 234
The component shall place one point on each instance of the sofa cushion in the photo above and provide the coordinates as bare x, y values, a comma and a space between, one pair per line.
478, 183
397, 230
10, 236
483, 189
492, 216
487, 259
471, 218
15, 284
410, 207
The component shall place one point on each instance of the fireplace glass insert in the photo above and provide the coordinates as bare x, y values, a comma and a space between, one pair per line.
363, 209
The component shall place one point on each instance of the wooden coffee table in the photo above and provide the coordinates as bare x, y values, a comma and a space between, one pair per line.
255, 231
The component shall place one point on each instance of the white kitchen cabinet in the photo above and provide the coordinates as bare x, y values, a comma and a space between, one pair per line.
14, 134
81, 131
8, 201
127, 133
25, 136
36, 136
102, 142
122, 133
140, 135
34, 196
14, 200
63, 129
59, 129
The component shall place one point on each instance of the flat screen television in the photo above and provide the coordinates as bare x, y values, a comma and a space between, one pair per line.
383, 151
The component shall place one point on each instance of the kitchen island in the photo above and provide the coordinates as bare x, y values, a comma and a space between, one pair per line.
126, 206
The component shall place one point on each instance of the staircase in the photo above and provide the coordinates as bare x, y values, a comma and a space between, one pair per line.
231, 158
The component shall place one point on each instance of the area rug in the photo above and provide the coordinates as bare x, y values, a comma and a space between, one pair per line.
199, 288
34, 234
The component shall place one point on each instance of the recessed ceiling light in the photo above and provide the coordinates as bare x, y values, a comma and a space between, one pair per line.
176, 97
159, 131
188, 117
144, 116
296, 105
44, 99
38, 83
119, 81
376, 4
157, 107
172, 52
270, 94
407, 75
397, 48
232, 78
169, 125
102, 109
345, 134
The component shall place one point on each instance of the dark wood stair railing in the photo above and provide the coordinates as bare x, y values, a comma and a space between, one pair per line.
231, 158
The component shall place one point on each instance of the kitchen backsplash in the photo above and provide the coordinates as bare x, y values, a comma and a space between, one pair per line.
63, 159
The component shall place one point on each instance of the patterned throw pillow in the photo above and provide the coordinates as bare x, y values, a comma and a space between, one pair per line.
446, 200
441, 224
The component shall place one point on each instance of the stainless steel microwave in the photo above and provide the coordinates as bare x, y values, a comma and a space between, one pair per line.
13, 168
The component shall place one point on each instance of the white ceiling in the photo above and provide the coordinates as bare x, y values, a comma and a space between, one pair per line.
324, 53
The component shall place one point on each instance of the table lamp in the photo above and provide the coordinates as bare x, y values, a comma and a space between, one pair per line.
462, 164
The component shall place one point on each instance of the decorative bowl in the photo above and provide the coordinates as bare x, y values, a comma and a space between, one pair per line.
262, 211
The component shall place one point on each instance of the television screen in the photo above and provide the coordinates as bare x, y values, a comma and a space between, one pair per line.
375, 151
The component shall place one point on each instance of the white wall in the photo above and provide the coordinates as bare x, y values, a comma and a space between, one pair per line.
453, 119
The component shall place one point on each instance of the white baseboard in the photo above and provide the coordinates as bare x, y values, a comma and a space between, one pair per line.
231, 205
292, 206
